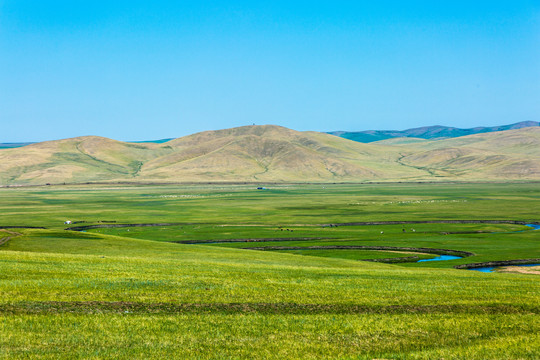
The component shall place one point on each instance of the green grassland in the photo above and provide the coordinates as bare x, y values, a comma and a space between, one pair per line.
135, 292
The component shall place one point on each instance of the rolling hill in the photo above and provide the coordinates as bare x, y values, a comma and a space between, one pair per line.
510, 154
427, 132
269, 153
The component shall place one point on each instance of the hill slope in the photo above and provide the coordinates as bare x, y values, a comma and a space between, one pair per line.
80, 159
272, 153
513, 154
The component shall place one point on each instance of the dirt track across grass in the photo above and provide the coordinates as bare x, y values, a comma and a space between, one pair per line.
127, 308
533, 270
4, 240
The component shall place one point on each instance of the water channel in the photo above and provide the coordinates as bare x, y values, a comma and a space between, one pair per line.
490, 269
482, 269
442, 258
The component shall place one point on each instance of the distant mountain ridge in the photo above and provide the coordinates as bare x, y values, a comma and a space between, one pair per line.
13, 145
160, 141
427, 132
16, 145
367, 136
270, 153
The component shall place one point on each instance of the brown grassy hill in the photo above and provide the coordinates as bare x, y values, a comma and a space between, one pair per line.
272, 153
513, 154
80, 159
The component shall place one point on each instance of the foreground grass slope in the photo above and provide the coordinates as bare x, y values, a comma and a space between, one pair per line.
113, 297
273, 154
114, 293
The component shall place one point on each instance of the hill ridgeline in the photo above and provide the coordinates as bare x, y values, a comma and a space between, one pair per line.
269, 153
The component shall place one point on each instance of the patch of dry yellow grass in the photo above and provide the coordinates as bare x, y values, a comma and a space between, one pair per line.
521, 269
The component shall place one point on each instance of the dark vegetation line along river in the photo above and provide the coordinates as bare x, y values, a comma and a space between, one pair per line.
20, 227
444, 254
494, 264
361, 247
252, 240
363, 223
515, 222
491, 269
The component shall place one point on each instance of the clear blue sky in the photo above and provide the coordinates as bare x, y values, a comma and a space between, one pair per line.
135, 70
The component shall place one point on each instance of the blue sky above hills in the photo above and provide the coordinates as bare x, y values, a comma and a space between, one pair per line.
135, 70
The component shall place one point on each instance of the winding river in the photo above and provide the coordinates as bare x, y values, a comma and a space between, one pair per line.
442, 258
486, 269
437, 258
490, 269
534, 226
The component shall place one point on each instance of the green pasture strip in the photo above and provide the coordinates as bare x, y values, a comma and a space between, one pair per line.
154, 272
209, 233
262, 336
358, 254
486, 246
213, 233
280, 205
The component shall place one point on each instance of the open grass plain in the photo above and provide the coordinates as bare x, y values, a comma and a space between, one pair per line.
186, 284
